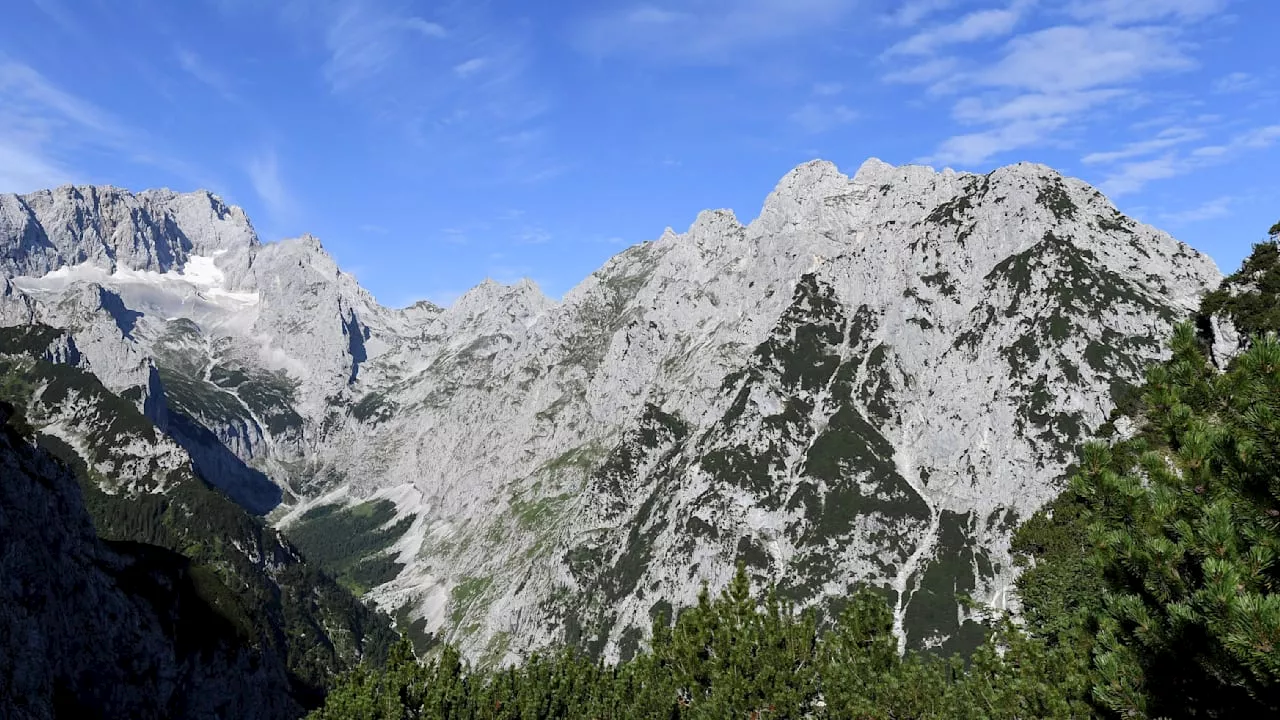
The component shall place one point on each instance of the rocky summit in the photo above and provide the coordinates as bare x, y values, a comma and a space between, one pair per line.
871, 383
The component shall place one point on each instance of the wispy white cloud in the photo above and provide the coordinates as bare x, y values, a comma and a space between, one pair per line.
817, 118
22, 170
1121, 12
1015, 122
1031, 106
522, 138
426, 29
1215, 208
455, 235
403, 70
532, 235
978, 25
470, 67
1236, 82
36, 95
1255, 139
363, 40
1167, 138
1045, 80
401, 65
712, 32
912, 12
264, 175
924, 73
61, 16
1132, 175
973, 148
1073, 58
45, 129
194, 66
530, 173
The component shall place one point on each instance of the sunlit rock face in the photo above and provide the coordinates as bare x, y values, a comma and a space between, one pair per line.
873, 382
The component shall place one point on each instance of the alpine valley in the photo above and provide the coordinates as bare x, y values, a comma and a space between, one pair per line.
871, 384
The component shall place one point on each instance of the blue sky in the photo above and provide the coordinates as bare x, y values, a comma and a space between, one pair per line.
433, 144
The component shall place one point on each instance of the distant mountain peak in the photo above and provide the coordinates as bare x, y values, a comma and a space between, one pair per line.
870, 169
112, 228
714, 222
803, 187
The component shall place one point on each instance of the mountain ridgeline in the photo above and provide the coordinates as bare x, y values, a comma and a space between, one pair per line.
870, 386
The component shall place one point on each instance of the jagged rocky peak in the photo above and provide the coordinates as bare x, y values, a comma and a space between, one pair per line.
817, 197
422, 308
870, 382
521, 300
302, 259
808, 181
714, 222
709, 236
799, 196
155, 230
306, 245
870, 169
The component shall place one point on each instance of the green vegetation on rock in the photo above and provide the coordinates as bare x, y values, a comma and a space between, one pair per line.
738, 655
240, 568
349, 542
1248, 296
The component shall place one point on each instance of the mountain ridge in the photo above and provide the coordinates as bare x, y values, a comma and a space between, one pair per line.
941, 338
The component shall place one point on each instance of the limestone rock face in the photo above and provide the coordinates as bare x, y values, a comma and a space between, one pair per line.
1227, 342
156, 231
872, 382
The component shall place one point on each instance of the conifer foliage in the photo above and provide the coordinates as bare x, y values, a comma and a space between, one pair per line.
1248, 297
1185, 526
739, 655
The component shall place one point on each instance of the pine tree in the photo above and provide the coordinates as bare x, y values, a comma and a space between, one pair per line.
1187, 531
860, 664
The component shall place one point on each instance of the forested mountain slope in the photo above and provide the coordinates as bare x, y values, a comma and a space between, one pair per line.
216, 578
94, 628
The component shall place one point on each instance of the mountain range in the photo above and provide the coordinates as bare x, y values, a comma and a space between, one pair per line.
871, 383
